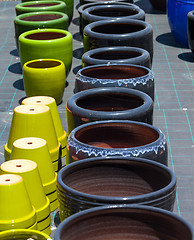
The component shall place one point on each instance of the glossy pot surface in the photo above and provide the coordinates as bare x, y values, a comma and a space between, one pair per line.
117, 138
190, 30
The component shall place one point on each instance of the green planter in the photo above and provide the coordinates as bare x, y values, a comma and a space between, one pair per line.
34, 20
46, 43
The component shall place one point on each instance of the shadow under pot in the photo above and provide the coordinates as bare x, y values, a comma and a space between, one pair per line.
124, 222
190, 30
115, 180
46, 44
109, 33
116, 75
119, 55
40, 6
34, 20
107, 12
108, 104
117, 138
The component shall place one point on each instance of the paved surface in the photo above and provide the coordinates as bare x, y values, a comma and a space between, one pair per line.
174, 93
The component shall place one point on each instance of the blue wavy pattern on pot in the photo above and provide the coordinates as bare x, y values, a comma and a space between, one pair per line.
116, 75
125, 222
114, 138
114, 180
108, 104
177, 11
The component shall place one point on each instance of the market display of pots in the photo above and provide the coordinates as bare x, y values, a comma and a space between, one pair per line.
116, 75
34, 20
46, 44
177, 11
106, 104
115, 180
108, 33
117, 138
107, 12
124, 222
116, 55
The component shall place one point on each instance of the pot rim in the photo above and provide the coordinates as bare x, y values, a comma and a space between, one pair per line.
23, 4
141, 199
90, 26
18, 19
82, 214
12, 231
72, 102
42, 60
135, 80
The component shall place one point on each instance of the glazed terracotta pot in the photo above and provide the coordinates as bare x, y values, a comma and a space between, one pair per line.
115, 180
124, 222
40, 6
35, 20
107, 12
116, 75
190, 30
96, 1
159, 5
46, 44
23, 234
44, 77
177, 11
117, 138
108, 33
116, 55
108, 104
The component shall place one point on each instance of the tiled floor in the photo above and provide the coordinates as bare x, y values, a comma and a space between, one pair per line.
173, 67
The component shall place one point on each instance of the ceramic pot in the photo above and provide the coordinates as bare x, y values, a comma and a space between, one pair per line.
51, 103
96, 1
159, 4
107, 12
46, 44
28, 170
35, 20
40, 6
115, 180
44, 77
117, 138
124, 222
116, 55
108, 33
23, 234
116, 75
15, 205
177, 11
36, 149
83, 7
108, 104
190, 30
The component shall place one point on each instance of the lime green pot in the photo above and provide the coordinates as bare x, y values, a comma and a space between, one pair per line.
34, 20
40, 6
23, 234
46, 44
44, 77
69, 7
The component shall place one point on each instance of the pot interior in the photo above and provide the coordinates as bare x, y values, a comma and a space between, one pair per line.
127, 224
114, 12
41, 17
115, 55
114, 72
110, 102
116, 178
40, 5
116, 135
43, 64
118, 28
45, 35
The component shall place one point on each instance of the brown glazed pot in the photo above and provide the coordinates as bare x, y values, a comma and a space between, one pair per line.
115, 180
116, 75
124, 222
117, 138
108, 104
